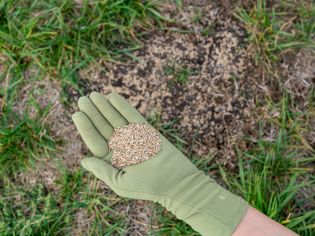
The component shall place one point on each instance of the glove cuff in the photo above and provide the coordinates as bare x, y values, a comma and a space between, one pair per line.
206, 206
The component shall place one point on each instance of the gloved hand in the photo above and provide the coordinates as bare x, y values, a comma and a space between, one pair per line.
168, 178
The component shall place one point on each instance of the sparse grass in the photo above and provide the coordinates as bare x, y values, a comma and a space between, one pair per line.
197, 15
22, 141
278, 170
276, 28
207, 31
69, 183
80, 192
180, 73
274, 174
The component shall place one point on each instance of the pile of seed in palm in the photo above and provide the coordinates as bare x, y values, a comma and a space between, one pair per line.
133, 143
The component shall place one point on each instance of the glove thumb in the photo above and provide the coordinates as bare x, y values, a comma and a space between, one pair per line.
102, 170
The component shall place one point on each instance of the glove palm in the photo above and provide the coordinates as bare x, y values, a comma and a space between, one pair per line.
168, 177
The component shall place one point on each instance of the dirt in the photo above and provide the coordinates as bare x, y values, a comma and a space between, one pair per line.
300, 84
214, 107
300, 76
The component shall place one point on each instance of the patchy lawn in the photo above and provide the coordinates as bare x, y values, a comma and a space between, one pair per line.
231, 84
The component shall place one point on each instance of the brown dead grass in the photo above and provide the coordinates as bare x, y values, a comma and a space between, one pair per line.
300, 76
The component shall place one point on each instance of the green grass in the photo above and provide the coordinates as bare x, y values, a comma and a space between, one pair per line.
39, 211
276, 28
100, 207
60, 37
180, 73
31, 212
22, 141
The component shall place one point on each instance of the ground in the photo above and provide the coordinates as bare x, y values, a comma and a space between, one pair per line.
200, 75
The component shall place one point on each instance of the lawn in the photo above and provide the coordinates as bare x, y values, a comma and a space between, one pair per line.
230, 83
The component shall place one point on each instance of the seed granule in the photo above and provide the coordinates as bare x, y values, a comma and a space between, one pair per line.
133, 143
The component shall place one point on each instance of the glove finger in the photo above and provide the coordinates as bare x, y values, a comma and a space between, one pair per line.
94, 141
108, 111
108, 157
99, 122
124, 108
102, 170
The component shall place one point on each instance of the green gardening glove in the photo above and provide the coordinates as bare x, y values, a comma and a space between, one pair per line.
168, 178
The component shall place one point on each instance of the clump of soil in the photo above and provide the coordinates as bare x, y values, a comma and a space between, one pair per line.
133, 144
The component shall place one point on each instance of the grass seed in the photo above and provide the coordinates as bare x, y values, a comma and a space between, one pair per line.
133, 143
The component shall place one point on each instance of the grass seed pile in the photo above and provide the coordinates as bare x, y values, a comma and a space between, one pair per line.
133, 143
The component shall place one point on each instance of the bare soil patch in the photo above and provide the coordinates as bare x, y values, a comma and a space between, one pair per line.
214, 107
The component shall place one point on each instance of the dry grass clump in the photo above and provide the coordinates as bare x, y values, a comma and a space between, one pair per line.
133, 144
